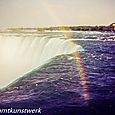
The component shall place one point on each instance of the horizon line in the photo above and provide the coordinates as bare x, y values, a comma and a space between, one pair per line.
48, 26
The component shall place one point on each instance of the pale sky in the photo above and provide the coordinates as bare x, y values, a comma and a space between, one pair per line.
40, 13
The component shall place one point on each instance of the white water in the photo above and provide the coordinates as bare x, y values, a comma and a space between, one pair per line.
20, 53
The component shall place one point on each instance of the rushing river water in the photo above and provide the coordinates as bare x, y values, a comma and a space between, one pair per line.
53, 77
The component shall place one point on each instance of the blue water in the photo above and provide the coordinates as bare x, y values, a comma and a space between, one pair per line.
99, 60
59, 89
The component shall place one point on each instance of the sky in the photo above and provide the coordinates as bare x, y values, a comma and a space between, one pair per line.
43, 13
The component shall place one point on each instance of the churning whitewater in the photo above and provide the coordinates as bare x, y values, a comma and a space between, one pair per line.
21, 53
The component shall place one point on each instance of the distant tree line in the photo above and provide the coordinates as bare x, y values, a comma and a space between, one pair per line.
81, 28
68, 28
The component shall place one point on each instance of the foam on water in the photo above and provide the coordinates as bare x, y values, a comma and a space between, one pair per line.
20, 54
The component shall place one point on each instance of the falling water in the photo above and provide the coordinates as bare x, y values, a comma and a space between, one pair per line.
21, 53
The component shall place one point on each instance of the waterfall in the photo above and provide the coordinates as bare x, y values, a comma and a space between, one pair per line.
20, 53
